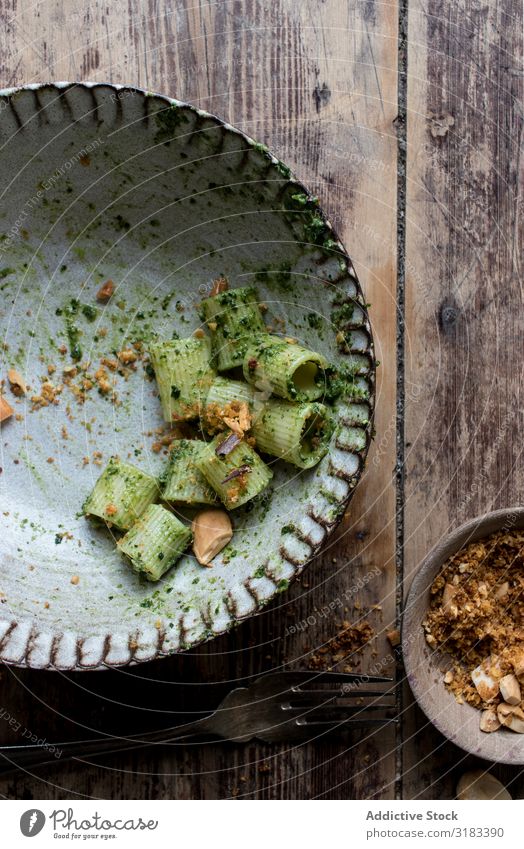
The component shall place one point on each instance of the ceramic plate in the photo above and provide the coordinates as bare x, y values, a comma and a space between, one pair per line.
113, 183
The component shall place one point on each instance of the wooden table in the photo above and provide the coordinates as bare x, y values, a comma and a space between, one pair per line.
402, 117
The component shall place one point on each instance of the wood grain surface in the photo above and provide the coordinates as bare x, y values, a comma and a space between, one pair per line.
318, 81
464, 311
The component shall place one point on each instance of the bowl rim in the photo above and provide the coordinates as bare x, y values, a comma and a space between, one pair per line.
8, 95
491, 746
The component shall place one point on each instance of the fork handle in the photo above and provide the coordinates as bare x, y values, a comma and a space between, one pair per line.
27, 757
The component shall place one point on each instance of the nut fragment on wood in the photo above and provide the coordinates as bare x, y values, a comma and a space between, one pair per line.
394, 637
212, 531
510, 689
105, 291
440, 122
489, 721
6, 410
478, 784
16, 382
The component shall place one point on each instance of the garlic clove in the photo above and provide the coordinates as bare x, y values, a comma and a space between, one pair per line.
212, 530
478, 784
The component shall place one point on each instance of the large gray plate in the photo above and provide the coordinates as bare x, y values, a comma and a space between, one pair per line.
106, 182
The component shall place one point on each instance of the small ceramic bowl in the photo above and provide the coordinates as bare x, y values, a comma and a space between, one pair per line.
425, 668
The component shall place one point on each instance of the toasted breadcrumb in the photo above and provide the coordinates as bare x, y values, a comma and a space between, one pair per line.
350, 640
233, 416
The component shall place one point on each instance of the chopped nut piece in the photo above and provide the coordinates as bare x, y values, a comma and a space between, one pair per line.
219, 285
489, 721
393, 637
447, 596
448, 677
478, 784
75, 579
482, 589
16, 382
212, 531
127, 356
502, 591
518, 666
486, 685
105, 291
199, 333
510, 689
5, 409
511, 716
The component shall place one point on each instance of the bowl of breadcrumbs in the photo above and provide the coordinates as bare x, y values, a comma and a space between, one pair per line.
463, 636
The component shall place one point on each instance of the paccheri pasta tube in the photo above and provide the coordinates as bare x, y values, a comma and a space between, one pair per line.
234, 469
184, 374
284, 368
121, 494
182, 482
232, 317
297, 433
155, 542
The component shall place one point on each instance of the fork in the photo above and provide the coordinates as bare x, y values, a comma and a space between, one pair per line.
278, 707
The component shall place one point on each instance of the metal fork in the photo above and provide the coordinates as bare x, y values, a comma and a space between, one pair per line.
278, 707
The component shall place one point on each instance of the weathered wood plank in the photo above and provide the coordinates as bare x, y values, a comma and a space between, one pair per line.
317, 83
464, 317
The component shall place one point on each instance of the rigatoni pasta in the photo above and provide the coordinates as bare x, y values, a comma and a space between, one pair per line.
121, 494
184, 374
155, 542
283, 367
234, 469
297, 433
232, 317
182, 482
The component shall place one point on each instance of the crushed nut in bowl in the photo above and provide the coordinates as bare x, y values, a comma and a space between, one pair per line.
476, 615
463, 636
